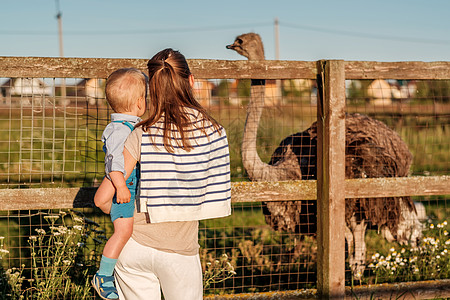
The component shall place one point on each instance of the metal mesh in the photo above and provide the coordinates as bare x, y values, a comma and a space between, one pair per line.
48, 140
419, 111
51, 140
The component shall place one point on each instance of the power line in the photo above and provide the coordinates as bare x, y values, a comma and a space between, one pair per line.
225, 27
366, 35
128, 32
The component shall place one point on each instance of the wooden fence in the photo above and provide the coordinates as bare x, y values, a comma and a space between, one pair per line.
331, 187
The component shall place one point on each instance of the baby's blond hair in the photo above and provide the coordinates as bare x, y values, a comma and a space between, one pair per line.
124, 87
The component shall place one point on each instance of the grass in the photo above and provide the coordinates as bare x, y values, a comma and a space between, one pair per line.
63, 253
57, 150
239, 253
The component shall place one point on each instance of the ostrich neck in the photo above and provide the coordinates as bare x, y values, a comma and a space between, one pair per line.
257, 170
250, 158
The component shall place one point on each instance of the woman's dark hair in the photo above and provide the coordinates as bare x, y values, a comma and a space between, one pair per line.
170, 93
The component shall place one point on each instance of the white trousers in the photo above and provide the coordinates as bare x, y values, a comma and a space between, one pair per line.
142, 272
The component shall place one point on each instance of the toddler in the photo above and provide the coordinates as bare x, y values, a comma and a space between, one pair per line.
126, 91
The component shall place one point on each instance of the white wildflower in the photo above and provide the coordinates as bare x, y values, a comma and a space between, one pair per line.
3, 252
40, 231
62, 229
78, 219
78, 227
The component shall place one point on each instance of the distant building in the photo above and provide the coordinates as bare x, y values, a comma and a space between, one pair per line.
383, 92
203, 92
380, 92
272, 97
92, 88
24, 91
25, 87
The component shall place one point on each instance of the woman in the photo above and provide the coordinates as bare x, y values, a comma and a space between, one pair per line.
185, 177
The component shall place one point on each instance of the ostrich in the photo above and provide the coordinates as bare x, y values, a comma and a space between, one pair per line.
372, 150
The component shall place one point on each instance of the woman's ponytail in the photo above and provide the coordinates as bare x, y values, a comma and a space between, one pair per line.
170, 93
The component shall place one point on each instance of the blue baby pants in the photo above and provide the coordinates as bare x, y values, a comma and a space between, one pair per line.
126, 210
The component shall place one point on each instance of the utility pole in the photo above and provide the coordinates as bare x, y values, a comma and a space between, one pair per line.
59, 18
279, 94
277, 39
61, 50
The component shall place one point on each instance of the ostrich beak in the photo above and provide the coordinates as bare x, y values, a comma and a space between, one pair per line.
237, 47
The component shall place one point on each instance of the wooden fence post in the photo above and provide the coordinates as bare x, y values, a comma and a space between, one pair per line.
331, 179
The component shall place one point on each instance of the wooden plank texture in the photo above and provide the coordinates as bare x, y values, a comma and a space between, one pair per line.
50, 67
55, 67
331, 180
45, 198
432, 289
397, 70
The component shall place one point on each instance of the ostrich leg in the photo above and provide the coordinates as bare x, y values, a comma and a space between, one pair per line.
356, 246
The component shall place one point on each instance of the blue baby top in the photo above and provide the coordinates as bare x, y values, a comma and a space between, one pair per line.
114, 137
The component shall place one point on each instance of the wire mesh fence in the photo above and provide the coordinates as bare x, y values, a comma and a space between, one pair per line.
52, 140
418, 110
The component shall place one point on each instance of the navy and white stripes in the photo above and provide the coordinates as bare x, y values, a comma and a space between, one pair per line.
186, 186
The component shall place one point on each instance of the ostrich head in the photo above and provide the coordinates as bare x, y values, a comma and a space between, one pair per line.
249, 45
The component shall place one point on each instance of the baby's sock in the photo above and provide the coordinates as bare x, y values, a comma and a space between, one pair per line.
107, 266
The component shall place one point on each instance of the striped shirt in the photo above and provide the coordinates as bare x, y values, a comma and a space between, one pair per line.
185, 185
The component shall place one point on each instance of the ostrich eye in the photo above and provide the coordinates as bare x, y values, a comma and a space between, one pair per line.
239, 41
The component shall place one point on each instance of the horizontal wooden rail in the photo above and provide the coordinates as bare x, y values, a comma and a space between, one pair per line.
47, 198
432, 289
52, 67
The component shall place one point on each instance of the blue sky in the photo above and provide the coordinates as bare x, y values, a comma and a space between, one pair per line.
381, 30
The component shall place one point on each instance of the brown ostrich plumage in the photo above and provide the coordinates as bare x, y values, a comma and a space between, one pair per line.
373, 150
